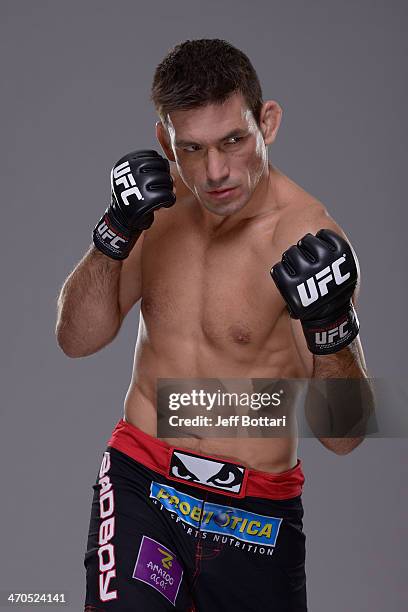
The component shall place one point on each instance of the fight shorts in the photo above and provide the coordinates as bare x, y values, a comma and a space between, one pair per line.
171, 529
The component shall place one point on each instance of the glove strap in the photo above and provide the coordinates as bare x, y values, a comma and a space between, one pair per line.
327, 336
112, 239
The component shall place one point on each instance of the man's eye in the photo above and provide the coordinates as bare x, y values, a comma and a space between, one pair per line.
191, 148
234, 140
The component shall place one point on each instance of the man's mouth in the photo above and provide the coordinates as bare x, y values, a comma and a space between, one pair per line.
220, 194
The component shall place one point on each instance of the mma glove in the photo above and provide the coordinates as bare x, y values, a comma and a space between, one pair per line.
317, 278
140, 184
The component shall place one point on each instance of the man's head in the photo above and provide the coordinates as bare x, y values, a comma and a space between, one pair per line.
214, 124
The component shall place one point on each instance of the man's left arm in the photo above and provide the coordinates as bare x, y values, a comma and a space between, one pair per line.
318, 279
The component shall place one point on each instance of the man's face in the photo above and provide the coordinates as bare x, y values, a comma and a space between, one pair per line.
220, 153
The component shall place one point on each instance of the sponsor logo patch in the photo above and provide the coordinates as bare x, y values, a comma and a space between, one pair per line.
157, 566
215, 518
207, 473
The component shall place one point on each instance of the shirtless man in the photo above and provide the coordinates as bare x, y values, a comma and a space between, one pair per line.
168, 529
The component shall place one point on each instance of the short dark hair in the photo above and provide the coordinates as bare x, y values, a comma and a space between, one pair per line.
204, 71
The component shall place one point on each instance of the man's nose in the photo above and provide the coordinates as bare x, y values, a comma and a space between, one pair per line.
217, 168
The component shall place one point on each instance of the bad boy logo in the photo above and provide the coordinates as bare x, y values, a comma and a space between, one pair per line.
205, 472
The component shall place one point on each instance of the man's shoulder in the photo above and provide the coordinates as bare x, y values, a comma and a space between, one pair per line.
301, 218
301, 213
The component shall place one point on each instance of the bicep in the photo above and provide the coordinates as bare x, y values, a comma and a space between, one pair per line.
130, 283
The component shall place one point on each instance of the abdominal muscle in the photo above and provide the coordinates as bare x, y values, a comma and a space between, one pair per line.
176, 358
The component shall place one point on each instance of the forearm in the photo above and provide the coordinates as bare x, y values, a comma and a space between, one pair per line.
347, 363
350, 402
88, 315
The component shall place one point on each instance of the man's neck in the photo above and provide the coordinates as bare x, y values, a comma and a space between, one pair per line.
263, 200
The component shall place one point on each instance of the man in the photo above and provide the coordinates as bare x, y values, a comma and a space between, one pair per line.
216, 524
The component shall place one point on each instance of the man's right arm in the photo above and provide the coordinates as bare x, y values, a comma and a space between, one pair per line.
106, 283
88, 315
95, 299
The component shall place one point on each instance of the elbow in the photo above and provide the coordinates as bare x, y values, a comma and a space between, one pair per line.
72, 353
77, 348
69, 349
341, 452
341, 446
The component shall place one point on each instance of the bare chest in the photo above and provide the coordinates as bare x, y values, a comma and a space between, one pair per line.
221, 291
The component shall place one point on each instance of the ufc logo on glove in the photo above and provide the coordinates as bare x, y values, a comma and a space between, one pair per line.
122, 175
323, 278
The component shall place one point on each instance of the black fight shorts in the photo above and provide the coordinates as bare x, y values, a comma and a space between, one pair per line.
174, 530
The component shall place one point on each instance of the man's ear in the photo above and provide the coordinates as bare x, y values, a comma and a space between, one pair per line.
270, 119
163, 138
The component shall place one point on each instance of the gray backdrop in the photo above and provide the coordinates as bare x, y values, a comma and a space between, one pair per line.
75, 97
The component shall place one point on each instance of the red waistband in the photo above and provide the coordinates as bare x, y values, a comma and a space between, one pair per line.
156, 454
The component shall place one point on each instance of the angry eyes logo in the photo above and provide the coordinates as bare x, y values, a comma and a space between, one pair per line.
206, 472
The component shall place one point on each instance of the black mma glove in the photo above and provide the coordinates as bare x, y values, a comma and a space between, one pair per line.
317, 278
141, 183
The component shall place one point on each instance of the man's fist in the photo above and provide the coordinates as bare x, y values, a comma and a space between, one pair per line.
317, 278
140, 183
